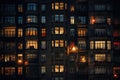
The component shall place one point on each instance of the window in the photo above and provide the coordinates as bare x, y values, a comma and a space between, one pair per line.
100, 57
43, 7
72, 20
20, 70
91, 45
43, 69
97, 19
99, 7
82, 19
43, 58
58, 6
72, 32
99, 44
20, 20
1, 71
82, 44
58, 78
9, 57
10, 45
9, 70
31, 56
116, 45
20, 8
20, 46
83, 59
43, 19
82, 32
59, 68
43, 32
31, 44
100, 70
20, 32
72, 8
10, 20
31, 6
31, 32
43, 44
10, 8
10, 32
100, 32
59, 18
108, 45
20, 58
58, 43
32, 19
59, 30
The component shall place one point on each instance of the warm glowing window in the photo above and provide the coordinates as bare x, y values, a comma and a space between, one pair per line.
31, 32
59, 30
91, 44
72, 20
58, 6
108, 45
31, 44
20, 8
20, 46
20, 70
9, 70
92, 20
82, 59
58, 43
20, 32
109, 21
10, 32
43, 69
59, 68
10, 57
20, 58
32, 19
99, 44
81, 32
43, 32
72, 8
100, 57
61, 6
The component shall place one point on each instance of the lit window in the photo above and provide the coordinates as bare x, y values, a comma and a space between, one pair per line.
20, 20
59, 68
81, 32
58, 43
82, 59
56, 6
72, 8
97, 19
20, 8
10, 32
92, 20
9, 70
108, 45
100, 57
43, 19
10, 57
31, 32
61, 6
72, 20
43, 32
43, 69
99, 44
31, 6
43, 7
20, 58
91, 45
59, 30
20, 70
20, 32
109, 21
20, 46
43, 44
32, 44
32, 19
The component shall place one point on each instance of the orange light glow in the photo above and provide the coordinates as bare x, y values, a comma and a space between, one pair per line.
115, 75
26, 63
19, 61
